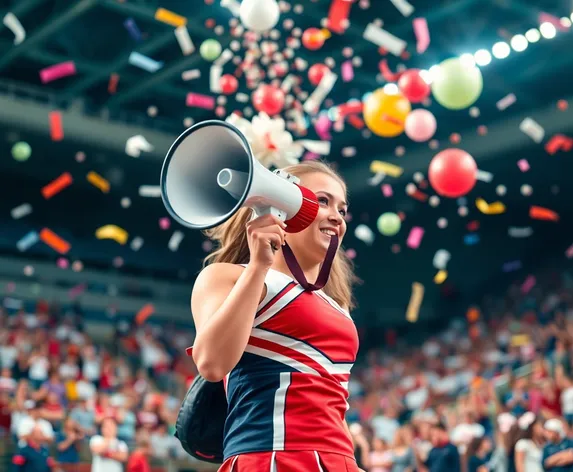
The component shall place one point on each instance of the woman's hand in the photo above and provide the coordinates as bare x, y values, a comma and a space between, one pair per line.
265, 235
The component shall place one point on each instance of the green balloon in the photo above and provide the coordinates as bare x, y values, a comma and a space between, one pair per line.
21, 151
210, 49
456, 84
389, 224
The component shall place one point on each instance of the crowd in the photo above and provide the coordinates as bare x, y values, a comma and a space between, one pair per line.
494, 392
65, 396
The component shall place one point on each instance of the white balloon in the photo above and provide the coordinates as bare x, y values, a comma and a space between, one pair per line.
259, 15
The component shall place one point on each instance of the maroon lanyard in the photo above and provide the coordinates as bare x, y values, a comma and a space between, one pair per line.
324, 270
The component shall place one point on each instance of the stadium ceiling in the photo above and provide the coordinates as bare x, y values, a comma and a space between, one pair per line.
108, 100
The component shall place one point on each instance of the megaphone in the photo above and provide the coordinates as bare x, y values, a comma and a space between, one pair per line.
210, 172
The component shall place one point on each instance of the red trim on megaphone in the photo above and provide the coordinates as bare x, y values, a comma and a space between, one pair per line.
306, 214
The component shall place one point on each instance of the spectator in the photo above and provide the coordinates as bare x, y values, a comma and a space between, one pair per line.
84, 416
68, 442
139, 459
402, 455
443, 455
109, 453
32, 455
529, 446
380, 456
558, 452
361, 446
478, 454
163, 445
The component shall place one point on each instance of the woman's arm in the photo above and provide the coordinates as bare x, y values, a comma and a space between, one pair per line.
224, 302
519, 461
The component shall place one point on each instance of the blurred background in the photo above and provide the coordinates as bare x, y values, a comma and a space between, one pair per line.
465, 264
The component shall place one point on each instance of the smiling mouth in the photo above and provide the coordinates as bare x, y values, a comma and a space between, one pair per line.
328, 232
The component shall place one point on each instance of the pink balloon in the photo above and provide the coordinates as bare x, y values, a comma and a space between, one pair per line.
268, 99
420, 125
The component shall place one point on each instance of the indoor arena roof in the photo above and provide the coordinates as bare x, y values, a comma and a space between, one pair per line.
107, 98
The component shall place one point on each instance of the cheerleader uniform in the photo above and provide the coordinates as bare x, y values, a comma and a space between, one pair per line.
287, 396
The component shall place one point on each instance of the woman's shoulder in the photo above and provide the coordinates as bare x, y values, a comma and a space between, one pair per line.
217, 270
523, 444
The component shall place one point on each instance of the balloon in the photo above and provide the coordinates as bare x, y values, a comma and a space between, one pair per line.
452, 172
268, 99
259, 15
210, 49
420, 125
456, 84
229, 84
316, 73
21, 151
389, 224
413, 86
313, 38
385, 114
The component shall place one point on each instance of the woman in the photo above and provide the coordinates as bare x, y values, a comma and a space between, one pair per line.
478, 454
284, 352
529, 446
403, 457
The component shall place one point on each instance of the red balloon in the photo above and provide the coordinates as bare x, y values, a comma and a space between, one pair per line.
229, 84
313, 39
268, 99
316, 73
413, 86
452, 173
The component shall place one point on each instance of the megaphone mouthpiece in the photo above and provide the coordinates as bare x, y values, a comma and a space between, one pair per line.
233, 182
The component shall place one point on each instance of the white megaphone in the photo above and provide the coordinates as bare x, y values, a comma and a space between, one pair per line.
209, 173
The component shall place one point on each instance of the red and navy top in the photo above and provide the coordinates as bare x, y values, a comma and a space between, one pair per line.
289, 390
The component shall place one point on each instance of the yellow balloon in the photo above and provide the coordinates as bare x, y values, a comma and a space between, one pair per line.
385, 114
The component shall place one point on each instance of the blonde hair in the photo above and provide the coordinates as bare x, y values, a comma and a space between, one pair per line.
233, 248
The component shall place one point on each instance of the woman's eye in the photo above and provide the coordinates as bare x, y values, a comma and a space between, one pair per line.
323, 200
343, 212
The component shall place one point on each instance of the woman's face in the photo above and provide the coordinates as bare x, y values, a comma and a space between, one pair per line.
312, 243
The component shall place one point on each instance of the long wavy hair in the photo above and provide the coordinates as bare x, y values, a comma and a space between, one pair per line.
232, 244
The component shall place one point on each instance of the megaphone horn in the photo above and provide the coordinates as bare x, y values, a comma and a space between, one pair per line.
209, 173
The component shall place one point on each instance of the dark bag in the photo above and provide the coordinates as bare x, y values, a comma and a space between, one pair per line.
201, 421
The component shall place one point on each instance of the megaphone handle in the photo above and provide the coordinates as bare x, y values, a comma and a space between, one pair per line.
260, 211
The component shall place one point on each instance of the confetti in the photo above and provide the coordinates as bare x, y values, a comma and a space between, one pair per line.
523, 165
58, 71
383, 39
416, 298
13, 24
387, 190
471, 239
215, 78
198, 100
170, 18
150, 191
98, 181
415, 237
569, 252
422, 34
441, 277
523, 232
528, 284
495, 208
532, 129
338, 15
540, 213
184, 40
559, 142
389, 169
112, 84
403, 7
143, 62
347, 71
322, 127
57, 243
175, 241
388, 75
506, 102
132, 29
76, 291
484, 176
56, 126
547, 18
21, 211
316, 98
136, 243
117, 234
57, 185
511, 266
441, 259
136, 144
27, 241
144, 313
191, 74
